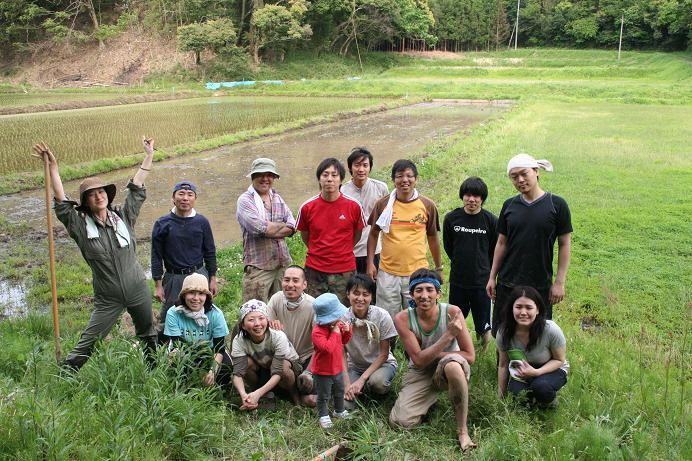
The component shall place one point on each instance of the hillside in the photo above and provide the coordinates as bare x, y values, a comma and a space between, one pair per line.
126, 59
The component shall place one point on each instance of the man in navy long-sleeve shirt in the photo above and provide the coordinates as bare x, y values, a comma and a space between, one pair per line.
182, 243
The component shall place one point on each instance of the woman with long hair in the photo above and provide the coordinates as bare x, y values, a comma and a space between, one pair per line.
531, 349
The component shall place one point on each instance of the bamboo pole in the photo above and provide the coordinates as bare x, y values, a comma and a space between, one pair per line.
51, 253
326, 454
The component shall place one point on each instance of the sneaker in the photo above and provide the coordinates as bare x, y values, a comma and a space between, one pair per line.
341, 414
325, 422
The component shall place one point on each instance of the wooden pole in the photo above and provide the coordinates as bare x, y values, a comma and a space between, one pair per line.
622, 23
516, 35
51, 256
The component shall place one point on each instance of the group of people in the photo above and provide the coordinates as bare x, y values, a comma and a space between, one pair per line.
366, 249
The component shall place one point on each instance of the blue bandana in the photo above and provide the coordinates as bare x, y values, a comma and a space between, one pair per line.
412, 284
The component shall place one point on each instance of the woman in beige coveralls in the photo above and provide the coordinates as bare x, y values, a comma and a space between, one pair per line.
106, 238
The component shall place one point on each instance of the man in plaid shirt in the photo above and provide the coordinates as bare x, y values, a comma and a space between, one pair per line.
265, 220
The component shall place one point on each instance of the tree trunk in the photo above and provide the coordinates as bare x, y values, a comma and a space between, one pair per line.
242, 20
94, 19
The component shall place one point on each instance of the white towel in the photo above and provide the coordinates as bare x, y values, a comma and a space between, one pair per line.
385, 218
259, 204
121, 232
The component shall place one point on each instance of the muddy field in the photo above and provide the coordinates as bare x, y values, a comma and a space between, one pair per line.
220, 174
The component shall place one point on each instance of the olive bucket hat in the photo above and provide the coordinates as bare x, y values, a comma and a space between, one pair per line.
94, 183
263, 165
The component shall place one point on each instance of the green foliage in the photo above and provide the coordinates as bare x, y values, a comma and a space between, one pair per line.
106, 32
583, 30
215, 35
274, 27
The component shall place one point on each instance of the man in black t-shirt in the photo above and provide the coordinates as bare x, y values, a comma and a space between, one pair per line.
528, 226
469, 236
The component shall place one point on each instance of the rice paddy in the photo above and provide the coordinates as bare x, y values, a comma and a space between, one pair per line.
90, 134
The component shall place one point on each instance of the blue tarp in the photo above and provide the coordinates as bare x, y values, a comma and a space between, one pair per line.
216, 86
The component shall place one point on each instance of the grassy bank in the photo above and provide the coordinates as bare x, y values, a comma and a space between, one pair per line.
622, 163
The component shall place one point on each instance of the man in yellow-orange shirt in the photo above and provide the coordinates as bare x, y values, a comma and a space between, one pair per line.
410, 224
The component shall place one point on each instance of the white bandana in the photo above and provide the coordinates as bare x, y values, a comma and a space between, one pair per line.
193, 213
526, 161
292, 305
373, 330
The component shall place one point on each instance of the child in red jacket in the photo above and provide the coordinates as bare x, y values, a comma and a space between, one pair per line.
329, 336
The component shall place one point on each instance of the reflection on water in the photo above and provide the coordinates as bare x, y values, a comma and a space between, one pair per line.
12, 300
220, 173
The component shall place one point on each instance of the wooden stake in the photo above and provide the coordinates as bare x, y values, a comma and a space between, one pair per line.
51, 256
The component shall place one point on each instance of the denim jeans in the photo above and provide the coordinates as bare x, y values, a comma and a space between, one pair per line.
543, 389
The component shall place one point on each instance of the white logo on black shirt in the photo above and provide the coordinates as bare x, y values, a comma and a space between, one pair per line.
470, 231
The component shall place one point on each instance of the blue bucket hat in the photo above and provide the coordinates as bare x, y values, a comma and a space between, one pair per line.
328, 309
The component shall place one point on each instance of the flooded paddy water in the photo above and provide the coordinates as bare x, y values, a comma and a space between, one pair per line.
220, 173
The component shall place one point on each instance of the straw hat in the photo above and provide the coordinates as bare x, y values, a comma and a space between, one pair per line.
94, 183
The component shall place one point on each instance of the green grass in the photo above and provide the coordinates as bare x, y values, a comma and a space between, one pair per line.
624, 168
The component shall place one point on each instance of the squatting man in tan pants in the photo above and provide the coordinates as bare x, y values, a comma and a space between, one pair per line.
440, 352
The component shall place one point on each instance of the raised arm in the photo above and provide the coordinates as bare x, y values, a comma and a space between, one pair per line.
42, 151
145, 167
457, 327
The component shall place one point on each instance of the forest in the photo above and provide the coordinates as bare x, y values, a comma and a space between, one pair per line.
266, 30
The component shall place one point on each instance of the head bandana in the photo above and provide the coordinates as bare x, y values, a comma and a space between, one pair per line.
412, 284
254, 305
526, 161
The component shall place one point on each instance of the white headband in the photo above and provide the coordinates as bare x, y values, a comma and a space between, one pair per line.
526, 161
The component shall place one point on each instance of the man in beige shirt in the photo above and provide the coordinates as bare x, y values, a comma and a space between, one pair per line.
290, 310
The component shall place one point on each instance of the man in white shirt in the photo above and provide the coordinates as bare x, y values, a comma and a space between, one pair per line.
367, 191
